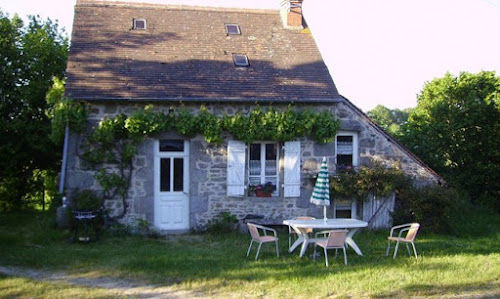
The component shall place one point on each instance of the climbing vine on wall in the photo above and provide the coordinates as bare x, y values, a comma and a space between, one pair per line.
67, 112
112, 145
368, 183
283, 125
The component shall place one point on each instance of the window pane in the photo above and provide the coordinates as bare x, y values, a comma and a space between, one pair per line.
139, 24
344, 139
171, 145
271, 159
271, 152
271, 167
344, 145
344, 160
178, 174
345, 150
240, 60
165, 175
255, 151
254, 181
232, 29
254, 164
254, 167
343, 214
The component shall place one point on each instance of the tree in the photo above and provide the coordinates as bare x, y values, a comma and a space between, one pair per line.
455, 129
30, 57
390, 120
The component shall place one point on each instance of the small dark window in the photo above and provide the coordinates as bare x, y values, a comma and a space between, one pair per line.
232, 29
240, 60
165, 174
171, 145
178, 174
139, 24
345, 151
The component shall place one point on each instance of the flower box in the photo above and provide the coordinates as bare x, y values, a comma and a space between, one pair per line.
261, 193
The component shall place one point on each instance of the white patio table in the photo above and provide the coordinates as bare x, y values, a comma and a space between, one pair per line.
300, 227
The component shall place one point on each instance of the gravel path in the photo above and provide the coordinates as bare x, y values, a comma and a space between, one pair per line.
119, 286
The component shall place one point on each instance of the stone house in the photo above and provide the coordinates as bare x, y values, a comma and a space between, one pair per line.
127, 55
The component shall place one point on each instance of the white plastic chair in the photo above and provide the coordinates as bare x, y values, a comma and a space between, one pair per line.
293, 234
411, 229
335, 240
255, 232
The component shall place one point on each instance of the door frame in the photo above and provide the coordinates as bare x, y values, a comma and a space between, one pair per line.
186, 183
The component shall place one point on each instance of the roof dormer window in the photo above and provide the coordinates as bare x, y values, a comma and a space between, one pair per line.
240, 60
139, 24
232, 29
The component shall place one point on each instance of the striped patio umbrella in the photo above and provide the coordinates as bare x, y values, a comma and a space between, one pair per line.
321, 191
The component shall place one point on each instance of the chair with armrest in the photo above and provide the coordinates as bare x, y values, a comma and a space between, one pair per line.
335, 240
259, 235
293, 234
411, 230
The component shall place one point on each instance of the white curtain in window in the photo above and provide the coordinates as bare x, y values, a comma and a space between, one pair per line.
235, 168
344, 148
292, 169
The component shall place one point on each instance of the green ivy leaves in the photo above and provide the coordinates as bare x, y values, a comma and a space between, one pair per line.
259, 124
67, 112
115, 140
378, 179
147, 122
283, 125
113, 144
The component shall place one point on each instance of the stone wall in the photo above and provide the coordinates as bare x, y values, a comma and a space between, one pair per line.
208, 169
208, 187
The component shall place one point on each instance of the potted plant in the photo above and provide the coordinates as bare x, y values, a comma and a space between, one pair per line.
265, 190
87, 206
86, 201
252, 190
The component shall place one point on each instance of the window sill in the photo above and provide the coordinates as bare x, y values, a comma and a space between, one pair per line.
261, 194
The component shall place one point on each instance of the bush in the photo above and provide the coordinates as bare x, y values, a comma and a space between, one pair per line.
119, 230
86, 200
429, 205
144, 228
225, 222
469, 219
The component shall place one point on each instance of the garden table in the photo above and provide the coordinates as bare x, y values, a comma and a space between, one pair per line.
301, 226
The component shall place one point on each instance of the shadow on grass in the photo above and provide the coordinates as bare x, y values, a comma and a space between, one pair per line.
197, 261
467, 290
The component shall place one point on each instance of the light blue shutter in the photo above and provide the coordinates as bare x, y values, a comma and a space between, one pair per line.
235, 168
292, 169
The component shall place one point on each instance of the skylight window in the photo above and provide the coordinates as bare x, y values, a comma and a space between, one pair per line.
233, 29
139, 24
240, 60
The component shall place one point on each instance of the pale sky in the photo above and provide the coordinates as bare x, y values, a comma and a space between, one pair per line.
378, 52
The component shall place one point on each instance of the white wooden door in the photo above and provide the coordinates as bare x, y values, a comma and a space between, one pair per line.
171, 184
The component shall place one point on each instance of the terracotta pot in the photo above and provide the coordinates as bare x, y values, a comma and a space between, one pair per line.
261, 193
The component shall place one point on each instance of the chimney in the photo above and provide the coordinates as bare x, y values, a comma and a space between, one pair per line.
291, 14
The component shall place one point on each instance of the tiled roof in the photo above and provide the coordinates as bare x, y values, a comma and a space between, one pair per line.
185, 54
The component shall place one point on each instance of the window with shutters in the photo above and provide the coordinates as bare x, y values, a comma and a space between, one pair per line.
255, 166
263, 165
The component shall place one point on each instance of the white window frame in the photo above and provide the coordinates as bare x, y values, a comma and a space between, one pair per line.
355, 146
235, 26
241, 60
263, 162
140, 28
355, 160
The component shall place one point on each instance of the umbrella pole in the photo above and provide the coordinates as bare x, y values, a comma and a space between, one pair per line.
324, 213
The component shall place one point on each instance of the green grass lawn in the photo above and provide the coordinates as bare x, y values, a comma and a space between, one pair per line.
215, 265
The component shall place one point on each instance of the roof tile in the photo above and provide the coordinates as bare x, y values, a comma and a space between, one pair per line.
185, 53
